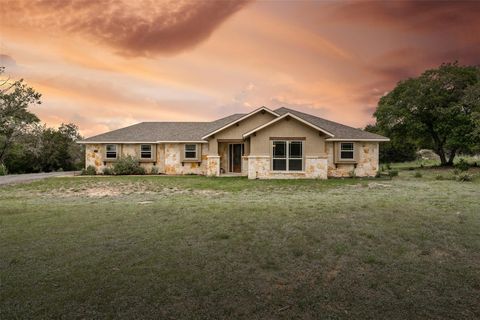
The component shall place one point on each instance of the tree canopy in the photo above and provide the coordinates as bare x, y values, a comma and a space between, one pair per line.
15, 119
439, 110
25, 144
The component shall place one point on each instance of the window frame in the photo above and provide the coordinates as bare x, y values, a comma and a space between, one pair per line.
287, 156
150, 151
352, 150
185, 152
107, 152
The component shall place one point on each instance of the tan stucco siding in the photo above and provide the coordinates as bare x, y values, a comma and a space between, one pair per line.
260, 144
236, 131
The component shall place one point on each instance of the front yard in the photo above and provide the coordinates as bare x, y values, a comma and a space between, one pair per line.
211, 248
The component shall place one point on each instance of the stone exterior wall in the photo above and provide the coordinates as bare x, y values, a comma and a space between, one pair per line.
213, 166
223, 153
367, 165
366, 161
174, 164
316, 167
244, 165
94, 156
259, 168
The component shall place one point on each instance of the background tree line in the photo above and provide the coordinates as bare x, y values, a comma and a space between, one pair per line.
26, 145
439, 110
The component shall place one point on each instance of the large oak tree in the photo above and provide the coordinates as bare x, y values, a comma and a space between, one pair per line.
439, 109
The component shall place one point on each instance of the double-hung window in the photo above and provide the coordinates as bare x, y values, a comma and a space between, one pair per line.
287, 155
190, 152
346, 151
146, 151
111, 151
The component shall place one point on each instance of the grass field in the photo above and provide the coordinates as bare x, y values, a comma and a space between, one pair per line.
215, 248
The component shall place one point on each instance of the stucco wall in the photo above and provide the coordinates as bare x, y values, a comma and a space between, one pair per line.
236, 131
260, 144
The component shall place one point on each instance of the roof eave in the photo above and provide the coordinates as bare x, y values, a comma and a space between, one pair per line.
245, 135
359, 139
238, 120
140, 142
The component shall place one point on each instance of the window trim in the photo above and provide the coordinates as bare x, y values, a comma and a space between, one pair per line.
106, 151
287, 156
185, 152
141, 151
352, 151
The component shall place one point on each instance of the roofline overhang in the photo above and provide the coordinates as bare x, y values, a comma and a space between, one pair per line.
242, 118
137, 142
356, 139
288, 114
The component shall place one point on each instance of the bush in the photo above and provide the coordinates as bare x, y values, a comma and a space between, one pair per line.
154, 170
417, 175
389, 167
464, 176
127, 165
89, 171
462, 165
3, 170
392, 173
107, 171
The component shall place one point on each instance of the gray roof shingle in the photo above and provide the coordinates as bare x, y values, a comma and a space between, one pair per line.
194, 131
340, 131
163, 131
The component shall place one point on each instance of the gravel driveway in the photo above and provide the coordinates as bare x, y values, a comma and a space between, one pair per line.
19, 178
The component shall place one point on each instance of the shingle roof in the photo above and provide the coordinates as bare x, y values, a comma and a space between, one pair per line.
194, 131
340, 131
163, 131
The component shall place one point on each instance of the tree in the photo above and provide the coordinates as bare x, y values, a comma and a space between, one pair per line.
398, 149
15, 119
436, 110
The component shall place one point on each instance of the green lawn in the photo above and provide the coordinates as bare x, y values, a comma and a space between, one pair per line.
216, 248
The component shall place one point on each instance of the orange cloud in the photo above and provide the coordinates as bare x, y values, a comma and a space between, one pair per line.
135, 28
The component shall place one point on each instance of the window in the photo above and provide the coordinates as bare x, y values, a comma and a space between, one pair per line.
191, 151
111, 151
346, 151
287, 156
146, 151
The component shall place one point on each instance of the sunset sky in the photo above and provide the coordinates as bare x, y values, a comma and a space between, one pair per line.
108, 64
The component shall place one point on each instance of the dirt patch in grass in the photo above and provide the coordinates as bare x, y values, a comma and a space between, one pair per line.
106, 190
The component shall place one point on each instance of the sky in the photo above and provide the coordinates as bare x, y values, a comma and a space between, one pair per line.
106, 64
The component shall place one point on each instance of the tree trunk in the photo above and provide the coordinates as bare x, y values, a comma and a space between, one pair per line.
453, 153
443, 157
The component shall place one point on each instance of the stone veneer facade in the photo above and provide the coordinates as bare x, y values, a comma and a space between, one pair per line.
168, 160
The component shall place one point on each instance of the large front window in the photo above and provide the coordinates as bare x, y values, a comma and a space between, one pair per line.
346, 151
287, 156
191, 151
146, 151
111, 151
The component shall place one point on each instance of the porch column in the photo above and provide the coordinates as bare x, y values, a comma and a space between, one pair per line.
213, 166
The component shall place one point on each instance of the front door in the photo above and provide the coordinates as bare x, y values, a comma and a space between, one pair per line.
235, 153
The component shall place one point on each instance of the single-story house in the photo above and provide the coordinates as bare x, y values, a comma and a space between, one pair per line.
263, 144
